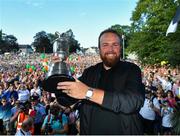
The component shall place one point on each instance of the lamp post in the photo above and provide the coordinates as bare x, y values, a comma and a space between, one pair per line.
123, 38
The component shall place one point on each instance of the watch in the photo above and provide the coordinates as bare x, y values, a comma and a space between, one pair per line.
89, 94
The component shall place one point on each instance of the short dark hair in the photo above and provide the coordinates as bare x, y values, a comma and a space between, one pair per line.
109, 31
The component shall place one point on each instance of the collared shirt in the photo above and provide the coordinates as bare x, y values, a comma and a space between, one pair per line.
123, 98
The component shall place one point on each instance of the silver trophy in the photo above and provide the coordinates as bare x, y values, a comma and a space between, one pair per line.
59, 71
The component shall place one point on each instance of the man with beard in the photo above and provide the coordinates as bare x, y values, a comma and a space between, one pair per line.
112, 92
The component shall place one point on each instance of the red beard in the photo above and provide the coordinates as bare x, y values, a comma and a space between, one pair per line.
110, 61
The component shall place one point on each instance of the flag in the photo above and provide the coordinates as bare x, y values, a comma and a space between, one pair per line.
174, 23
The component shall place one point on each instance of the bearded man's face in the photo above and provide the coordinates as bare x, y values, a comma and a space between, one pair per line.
110, 49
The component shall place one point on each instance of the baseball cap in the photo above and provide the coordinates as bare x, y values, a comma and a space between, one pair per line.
34, 97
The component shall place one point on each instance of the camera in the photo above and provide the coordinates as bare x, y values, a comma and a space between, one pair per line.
22, 107
25, 106
48, 129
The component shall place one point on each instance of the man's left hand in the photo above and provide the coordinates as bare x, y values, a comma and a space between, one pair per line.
75, 89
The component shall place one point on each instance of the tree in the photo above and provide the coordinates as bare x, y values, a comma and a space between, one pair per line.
73, 43
123, 30
0, 36
52, 37
150, 22
8, 43
42, 43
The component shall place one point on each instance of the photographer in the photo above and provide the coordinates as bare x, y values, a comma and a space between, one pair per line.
56, 122
21, 115
25, 128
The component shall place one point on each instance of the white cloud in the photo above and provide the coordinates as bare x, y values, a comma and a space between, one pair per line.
35, 3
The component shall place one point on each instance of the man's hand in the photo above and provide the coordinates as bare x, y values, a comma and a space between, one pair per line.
75, 89
55, 58
78, 90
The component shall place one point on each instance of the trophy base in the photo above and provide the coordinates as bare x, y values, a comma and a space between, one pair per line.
50, 85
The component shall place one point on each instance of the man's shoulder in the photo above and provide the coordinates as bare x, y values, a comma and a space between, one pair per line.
94, 67
128, 64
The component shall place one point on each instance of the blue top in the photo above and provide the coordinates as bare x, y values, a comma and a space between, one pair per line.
5, 112
8, 94
56, 124
40, 113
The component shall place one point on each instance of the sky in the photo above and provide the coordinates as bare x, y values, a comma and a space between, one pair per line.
86, 18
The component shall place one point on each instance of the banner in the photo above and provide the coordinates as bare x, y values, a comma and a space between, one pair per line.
174, 23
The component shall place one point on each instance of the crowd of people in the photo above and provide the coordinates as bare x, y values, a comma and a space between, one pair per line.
28, 109
162, 95
25, 105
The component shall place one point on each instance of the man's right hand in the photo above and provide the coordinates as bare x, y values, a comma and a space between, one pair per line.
55, 59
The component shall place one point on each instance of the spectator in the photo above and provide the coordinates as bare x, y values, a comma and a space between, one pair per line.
23, 93
171, 99
16, 107
1, 91
21, 115
166, 113
25, 128
5, 113
36, 90
56, 122
148, 113
40, 113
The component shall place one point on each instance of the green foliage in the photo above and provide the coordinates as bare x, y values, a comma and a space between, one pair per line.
73, 43
8, 43
52, 37
123, 30
43, 42
0, 36
150, 21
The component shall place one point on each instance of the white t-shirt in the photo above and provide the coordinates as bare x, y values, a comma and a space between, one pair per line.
23, 95
166, 116
166, 85
37, 90
146, 111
